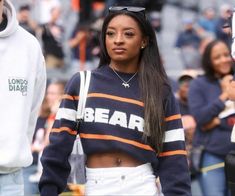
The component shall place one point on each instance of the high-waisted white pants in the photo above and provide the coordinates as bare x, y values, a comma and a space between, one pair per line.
122, 181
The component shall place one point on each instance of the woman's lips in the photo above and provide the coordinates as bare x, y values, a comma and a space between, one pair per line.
119, 50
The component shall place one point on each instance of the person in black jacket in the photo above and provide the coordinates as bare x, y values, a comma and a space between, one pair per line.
52, 38
230, 158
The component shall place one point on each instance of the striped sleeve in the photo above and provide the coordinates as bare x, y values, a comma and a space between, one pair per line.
56, 167
173, 167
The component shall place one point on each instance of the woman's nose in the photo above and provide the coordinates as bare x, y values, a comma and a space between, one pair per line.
118, 39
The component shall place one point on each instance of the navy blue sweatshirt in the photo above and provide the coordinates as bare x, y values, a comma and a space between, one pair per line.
205, 105
114, 121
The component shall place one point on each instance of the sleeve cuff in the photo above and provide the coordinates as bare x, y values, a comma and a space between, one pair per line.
49, 190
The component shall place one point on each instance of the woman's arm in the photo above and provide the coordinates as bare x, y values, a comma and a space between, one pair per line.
56, 167
204, 110
173, 166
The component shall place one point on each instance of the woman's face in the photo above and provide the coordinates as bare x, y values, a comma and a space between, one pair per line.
124, 40
54, 94
221, 59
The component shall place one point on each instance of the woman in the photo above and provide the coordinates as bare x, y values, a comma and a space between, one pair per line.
214, 114
132, 131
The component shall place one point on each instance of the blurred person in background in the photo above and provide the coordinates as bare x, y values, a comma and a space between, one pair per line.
25, 20
40, 130
187, 42
53, 98
54, 93
23, 83
188, 121
207, 21
214, 115
188, 36
182, 93
37, 146
52, 35
81, 44
85, 47
220, 32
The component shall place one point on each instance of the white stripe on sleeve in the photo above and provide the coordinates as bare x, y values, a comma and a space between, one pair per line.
66, 113
174, 135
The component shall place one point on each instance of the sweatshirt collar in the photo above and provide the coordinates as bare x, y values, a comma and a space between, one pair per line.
12, 23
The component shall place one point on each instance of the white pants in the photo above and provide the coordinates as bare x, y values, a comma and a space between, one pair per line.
121, 181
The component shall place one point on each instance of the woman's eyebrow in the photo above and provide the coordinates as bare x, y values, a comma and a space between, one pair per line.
126, 28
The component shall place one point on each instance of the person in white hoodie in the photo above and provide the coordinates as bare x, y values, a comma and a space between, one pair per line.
22, 88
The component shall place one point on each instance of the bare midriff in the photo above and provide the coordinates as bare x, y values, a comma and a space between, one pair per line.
111, 159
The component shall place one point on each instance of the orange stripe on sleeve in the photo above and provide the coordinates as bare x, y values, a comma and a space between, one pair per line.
174, 152
173, 117
66, 129
116, 98
66, 96
110, 137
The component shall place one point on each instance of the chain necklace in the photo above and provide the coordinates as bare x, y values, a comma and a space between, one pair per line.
124, 83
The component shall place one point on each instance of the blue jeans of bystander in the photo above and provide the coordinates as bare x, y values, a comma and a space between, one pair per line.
12, 184
212, 181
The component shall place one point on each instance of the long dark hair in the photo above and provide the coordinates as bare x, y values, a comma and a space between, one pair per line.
152, 77
207, 64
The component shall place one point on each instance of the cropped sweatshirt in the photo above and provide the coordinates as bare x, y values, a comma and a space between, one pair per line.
114, 121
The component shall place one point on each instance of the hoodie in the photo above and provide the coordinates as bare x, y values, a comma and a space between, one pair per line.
22, 88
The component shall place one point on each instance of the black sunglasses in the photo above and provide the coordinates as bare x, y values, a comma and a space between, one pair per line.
127, 8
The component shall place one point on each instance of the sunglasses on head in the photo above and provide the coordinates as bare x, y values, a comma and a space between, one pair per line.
127, 8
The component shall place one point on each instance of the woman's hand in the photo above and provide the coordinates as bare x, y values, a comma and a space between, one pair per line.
231, 90
224, 83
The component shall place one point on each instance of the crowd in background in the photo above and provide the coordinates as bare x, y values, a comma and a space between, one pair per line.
80, 51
